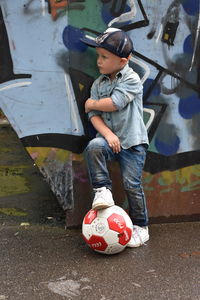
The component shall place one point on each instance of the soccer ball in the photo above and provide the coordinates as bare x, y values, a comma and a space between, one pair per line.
107, 230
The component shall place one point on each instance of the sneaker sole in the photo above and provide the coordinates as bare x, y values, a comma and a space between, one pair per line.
101, 206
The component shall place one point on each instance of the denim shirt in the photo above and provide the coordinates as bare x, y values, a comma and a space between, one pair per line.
126, 91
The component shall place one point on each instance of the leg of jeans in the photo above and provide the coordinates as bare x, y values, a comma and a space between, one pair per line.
131, 164
96, 154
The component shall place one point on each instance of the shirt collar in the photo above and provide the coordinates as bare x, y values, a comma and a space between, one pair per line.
119, 74
123, 71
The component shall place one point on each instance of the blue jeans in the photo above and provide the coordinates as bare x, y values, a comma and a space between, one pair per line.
131, 162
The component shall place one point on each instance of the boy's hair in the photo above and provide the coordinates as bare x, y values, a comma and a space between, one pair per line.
114, 40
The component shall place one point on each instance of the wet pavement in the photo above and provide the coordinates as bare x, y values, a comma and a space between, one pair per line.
42, 260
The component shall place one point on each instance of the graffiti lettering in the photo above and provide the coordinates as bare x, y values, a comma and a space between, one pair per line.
170, 76
170, 23
55, 5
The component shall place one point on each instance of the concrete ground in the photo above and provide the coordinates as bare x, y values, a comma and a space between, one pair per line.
41, 260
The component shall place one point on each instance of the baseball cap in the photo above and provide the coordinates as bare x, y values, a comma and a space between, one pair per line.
113, 39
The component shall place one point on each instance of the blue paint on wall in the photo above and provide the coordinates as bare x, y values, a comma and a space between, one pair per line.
191, 7
147, 84
190, 106
71, 39
188, 45
167, 148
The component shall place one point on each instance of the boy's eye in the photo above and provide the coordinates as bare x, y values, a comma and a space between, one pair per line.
101, 56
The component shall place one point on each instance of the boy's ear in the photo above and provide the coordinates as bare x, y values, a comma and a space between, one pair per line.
125, 60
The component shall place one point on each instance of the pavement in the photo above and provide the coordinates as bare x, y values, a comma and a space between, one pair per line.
40, 259
49, 262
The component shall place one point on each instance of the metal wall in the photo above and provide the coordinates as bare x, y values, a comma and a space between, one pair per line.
46, 73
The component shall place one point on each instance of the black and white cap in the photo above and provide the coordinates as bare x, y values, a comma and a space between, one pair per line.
114, 40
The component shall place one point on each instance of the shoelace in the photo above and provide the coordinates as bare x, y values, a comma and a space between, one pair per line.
98, 192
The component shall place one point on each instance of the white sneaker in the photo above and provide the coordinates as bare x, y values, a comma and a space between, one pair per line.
140, 235
102, 199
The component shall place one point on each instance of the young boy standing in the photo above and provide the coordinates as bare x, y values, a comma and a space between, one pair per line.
115, 109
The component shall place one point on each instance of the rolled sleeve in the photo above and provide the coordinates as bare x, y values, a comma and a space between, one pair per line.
94, 91
94, 96
125, 92
93, 113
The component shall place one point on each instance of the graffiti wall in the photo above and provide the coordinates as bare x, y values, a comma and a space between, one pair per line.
46, 73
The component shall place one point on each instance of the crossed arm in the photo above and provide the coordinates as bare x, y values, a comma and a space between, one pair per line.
106, 105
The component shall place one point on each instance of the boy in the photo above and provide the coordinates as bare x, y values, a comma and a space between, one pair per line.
116, 111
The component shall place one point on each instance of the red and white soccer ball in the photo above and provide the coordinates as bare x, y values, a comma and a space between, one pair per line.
107, 230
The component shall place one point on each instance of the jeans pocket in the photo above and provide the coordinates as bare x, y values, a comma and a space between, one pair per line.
140, 149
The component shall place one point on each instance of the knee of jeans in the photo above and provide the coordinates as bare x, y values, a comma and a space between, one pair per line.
130, 187
96, 143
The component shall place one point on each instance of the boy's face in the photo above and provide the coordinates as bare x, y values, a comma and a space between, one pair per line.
108, 63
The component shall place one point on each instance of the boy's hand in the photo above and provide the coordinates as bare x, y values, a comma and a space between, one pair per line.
113, 142
106, 132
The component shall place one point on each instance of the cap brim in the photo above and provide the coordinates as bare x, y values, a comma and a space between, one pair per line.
89, 41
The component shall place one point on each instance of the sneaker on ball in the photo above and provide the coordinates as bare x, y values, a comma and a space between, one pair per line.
140, 235
102, 199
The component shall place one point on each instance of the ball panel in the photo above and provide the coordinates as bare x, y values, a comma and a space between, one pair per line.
116, 222
85, 239
111, 237
87, 231
127, 219
113, 249
97, 243
90, 216
125, 236
122, 212
99, 226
